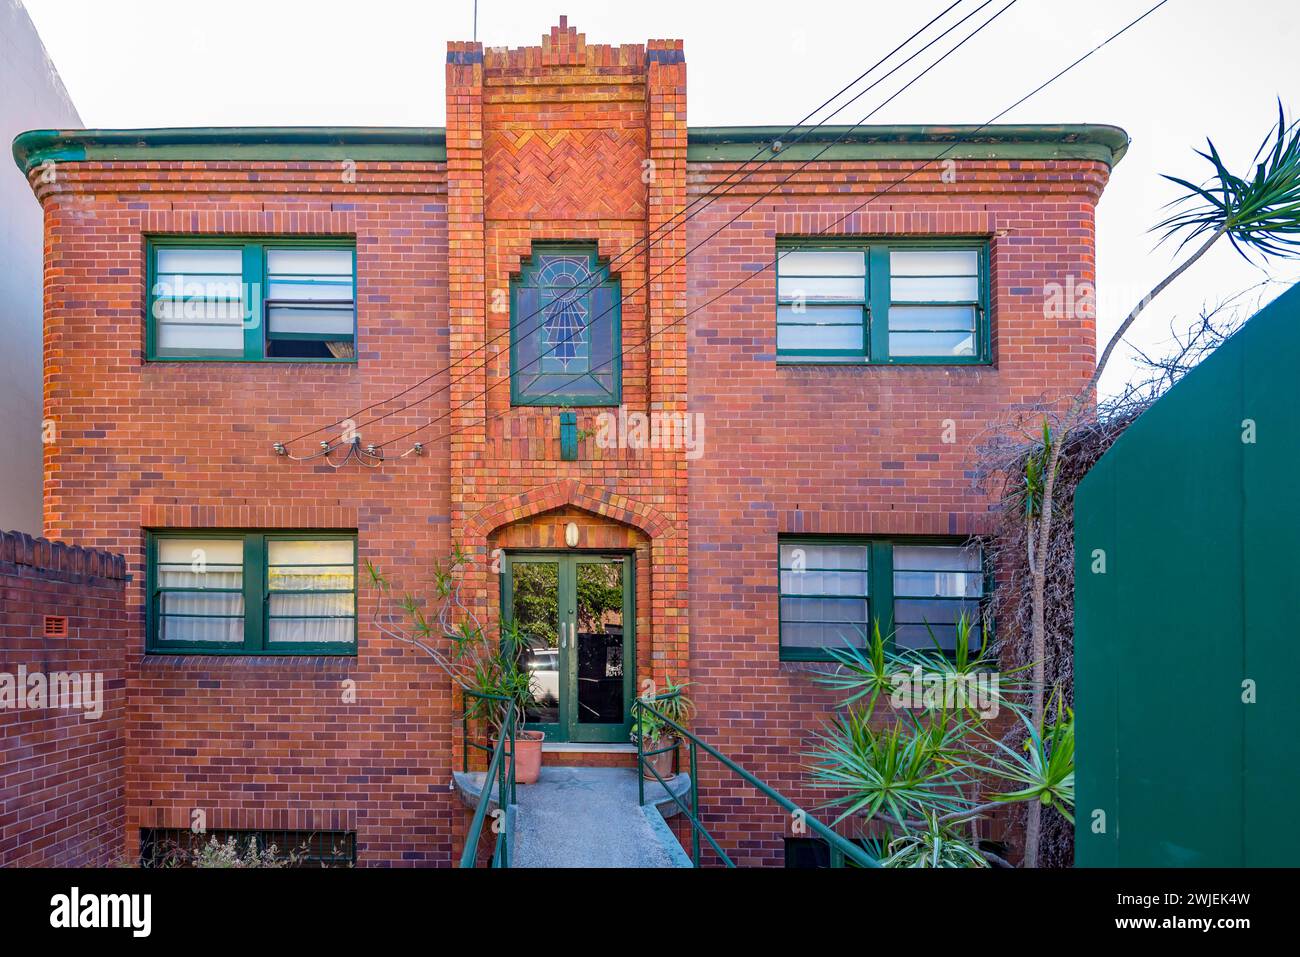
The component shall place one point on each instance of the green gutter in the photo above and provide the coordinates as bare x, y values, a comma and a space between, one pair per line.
1105, 144
415, 144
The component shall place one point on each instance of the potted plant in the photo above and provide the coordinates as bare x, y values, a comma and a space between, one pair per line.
488, 672
658, 738
497, 682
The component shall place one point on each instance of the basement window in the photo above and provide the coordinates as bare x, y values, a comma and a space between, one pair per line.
833, 590
281, 593
269, 299
892, 302
565, 330
178, 846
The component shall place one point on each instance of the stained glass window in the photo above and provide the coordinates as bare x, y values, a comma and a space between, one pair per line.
565, 341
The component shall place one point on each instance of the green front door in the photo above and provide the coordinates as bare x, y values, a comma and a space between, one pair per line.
575, 614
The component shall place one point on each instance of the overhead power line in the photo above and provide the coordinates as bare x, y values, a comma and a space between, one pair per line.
772, 265
671, 224
765, 195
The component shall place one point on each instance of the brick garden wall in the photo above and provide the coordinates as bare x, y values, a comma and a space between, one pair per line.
62, 770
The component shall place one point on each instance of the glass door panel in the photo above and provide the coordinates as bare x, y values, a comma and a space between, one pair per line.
535, 606
599, 610
576, 620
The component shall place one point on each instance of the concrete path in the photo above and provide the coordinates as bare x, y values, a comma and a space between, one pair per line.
589, 817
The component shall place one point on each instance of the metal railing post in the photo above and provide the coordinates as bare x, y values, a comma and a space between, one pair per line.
695, 807
640, 756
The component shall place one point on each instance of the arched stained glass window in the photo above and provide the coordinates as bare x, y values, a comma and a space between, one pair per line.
564, 330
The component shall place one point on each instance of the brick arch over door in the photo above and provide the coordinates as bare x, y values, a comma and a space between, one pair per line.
547, 498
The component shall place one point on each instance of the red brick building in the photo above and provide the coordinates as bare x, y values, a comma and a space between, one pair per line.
425, 279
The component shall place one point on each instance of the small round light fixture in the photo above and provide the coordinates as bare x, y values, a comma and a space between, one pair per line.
571, 534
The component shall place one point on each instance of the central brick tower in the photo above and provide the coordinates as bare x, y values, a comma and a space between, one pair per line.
579, 143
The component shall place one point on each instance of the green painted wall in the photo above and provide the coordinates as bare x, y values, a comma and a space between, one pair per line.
1201, 535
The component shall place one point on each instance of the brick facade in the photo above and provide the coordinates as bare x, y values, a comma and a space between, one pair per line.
565, 141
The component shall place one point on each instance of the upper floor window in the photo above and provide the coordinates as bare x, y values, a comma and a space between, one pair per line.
219, 299
901, 301
565, 330
833, 589
252, 592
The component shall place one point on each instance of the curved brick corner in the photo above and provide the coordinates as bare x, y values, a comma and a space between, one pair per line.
43, 555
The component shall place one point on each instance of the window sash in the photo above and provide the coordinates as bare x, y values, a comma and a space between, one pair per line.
961, 582
322, 620
280, 307
915, 308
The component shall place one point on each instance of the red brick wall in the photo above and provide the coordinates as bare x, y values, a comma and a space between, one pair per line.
258, 742
62, 796
860, 450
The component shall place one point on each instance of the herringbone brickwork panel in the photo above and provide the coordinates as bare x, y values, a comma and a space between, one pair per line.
535, 173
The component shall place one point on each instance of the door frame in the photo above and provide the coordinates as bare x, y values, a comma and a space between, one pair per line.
568, 729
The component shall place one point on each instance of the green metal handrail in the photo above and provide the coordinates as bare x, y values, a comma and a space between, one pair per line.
465, 742
500, 776
840, 847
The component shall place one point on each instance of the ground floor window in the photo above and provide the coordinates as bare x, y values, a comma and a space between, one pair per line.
832, 590
806, 853
228, 592
182, 847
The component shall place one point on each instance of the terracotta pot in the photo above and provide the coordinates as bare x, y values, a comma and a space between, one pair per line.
663, 763
528, 763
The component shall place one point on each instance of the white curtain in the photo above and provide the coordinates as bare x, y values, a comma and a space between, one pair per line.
297, 569
200, 569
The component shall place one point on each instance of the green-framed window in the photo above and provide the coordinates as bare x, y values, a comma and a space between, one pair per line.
833, 588
913, 301
242, 592
565, 329
280, 299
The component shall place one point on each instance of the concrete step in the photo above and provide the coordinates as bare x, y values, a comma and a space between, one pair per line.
469, 785
589, 817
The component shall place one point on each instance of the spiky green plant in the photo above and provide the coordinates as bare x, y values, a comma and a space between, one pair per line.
934, 845
902, 771
1259, 213
1045, 769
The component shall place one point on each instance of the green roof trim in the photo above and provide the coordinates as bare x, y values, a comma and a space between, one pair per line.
415, 144
1084, 141
420, 144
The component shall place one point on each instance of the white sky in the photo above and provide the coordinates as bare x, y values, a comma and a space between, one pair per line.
1184, 73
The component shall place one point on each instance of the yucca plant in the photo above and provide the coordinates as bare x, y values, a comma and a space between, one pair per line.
934, 845
921, 767
865, 672
1045, 769
897, 773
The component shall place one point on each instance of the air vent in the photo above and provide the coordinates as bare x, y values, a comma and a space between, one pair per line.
56, 626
